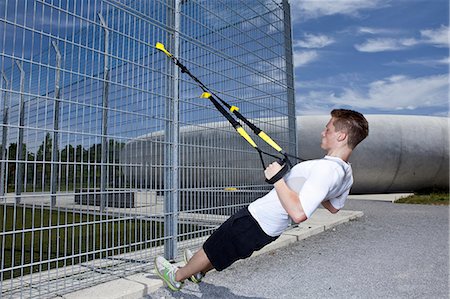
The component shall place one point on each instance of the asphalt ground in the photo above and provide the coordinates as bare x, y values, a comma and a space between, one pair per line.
393, 251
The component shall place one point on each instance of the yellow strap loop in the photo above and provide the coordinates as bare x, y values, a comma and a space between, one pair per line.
269, 140
161, 47
205, 95
244, 134
234, 108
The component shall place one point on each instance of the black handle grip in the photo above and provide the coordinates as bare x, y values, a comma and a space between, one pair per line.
280, 174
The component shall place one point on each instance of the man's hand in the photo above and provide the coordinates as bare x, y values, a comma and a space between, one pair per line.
272, 170
327, 205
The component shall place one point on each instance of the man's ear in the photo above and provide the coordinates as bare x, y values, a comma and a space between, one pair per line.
342, 136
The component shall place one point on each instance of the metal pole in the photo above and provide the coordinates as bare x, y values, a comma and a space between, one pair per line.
292, 126
20, 155
54, 170
171, 153
4, 135
104, 157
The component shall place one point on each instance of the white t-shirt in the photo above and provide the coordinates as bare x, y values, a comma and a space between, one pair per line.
315, 181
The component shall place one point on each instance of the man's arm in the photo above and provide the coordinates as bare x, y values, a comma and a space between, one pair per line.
327, 205
288, 198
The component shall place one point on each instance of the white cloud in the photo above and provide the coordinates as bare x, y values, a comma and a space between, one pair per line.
445, 60
312, 41
374, 31
385, 44
331, 82
428, 62
402, 92
438, 37
304, 57
309, 9
389, 94
314, 102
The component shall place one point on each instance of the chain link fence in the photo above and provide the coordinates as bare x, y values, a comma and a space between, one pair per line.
108, 154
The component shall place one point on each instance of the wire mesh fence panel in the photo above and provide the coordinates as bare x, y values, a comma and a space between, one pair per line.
109, 157
238, 50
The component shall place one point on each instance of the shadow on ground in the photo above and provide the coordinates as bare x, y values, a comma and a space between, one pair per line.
195, 291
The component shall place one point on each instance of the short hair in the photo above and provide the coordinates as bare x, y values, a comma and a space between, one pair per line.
353, 123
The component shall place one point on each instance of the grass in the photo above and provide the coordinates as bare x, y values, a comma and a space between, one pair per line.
427, 197
40, 239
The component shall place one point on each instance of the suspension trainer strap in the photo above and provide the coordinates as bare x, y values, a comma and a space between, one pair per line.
236, 125
232, 109
254, 128
208, 94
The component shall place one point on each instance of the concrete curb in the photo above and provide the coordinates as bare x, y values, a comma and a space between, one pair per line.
392, 197
139, 285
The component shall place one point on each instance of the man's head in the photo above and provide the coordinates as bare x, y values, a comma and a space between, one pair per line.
351, 123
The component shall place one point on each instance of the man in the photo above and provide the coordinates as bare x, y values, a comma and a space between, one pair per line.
325, 181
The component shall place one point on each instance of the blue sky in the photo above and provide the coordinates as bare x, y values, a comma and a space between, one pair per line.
374, 56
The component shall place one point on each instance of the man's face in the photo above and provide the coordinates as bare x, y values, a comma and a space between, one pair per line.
329, 136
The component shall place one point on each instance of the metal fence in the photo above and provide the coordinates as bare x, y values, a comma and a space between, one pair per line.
108, 155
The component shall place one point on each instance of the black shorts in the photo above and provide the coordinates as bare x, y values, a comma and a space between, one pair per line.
237, 238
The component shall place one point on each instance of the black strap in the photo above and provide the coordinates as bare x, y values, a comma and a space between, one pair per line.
285, 162
280, 174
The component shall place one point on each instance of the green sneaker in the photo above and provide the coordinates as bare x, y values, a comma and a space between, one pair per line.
197, 277
166, 271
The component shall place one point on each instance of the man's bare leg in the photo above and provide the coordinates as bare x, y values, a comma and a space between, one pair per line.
198, 263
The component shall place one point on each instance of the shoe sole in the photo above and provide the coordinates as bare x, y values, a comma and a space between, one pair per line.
169, 285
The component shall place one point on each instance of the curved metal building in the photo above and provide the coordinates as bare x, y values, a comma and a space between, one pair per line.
402, 153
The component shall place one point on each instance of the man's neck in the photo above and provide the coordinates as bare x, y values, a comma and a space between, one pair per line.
342, 153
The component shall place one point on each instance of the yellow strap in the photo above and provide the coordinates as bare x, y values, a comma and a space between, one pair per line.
161, 47
244, 134
269, 141
205, 95
234, 108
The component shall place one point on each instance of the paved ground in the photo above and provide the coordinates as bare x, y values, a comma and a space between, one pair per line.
393, 251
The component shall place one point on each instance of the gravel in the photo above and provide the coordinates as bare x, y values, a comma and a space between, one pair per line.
393, 251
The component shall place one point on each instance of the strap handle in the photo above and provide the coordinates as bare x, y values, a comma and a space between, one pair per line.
286, 165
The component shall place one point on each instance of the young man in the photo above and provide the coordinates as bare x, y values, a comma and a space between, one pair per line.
325, 181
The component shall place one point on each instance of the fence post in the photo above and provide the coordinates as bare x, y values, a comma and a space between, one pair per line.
4, 135
55, 127
104, 157
171, 154
292, 120
19, 154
